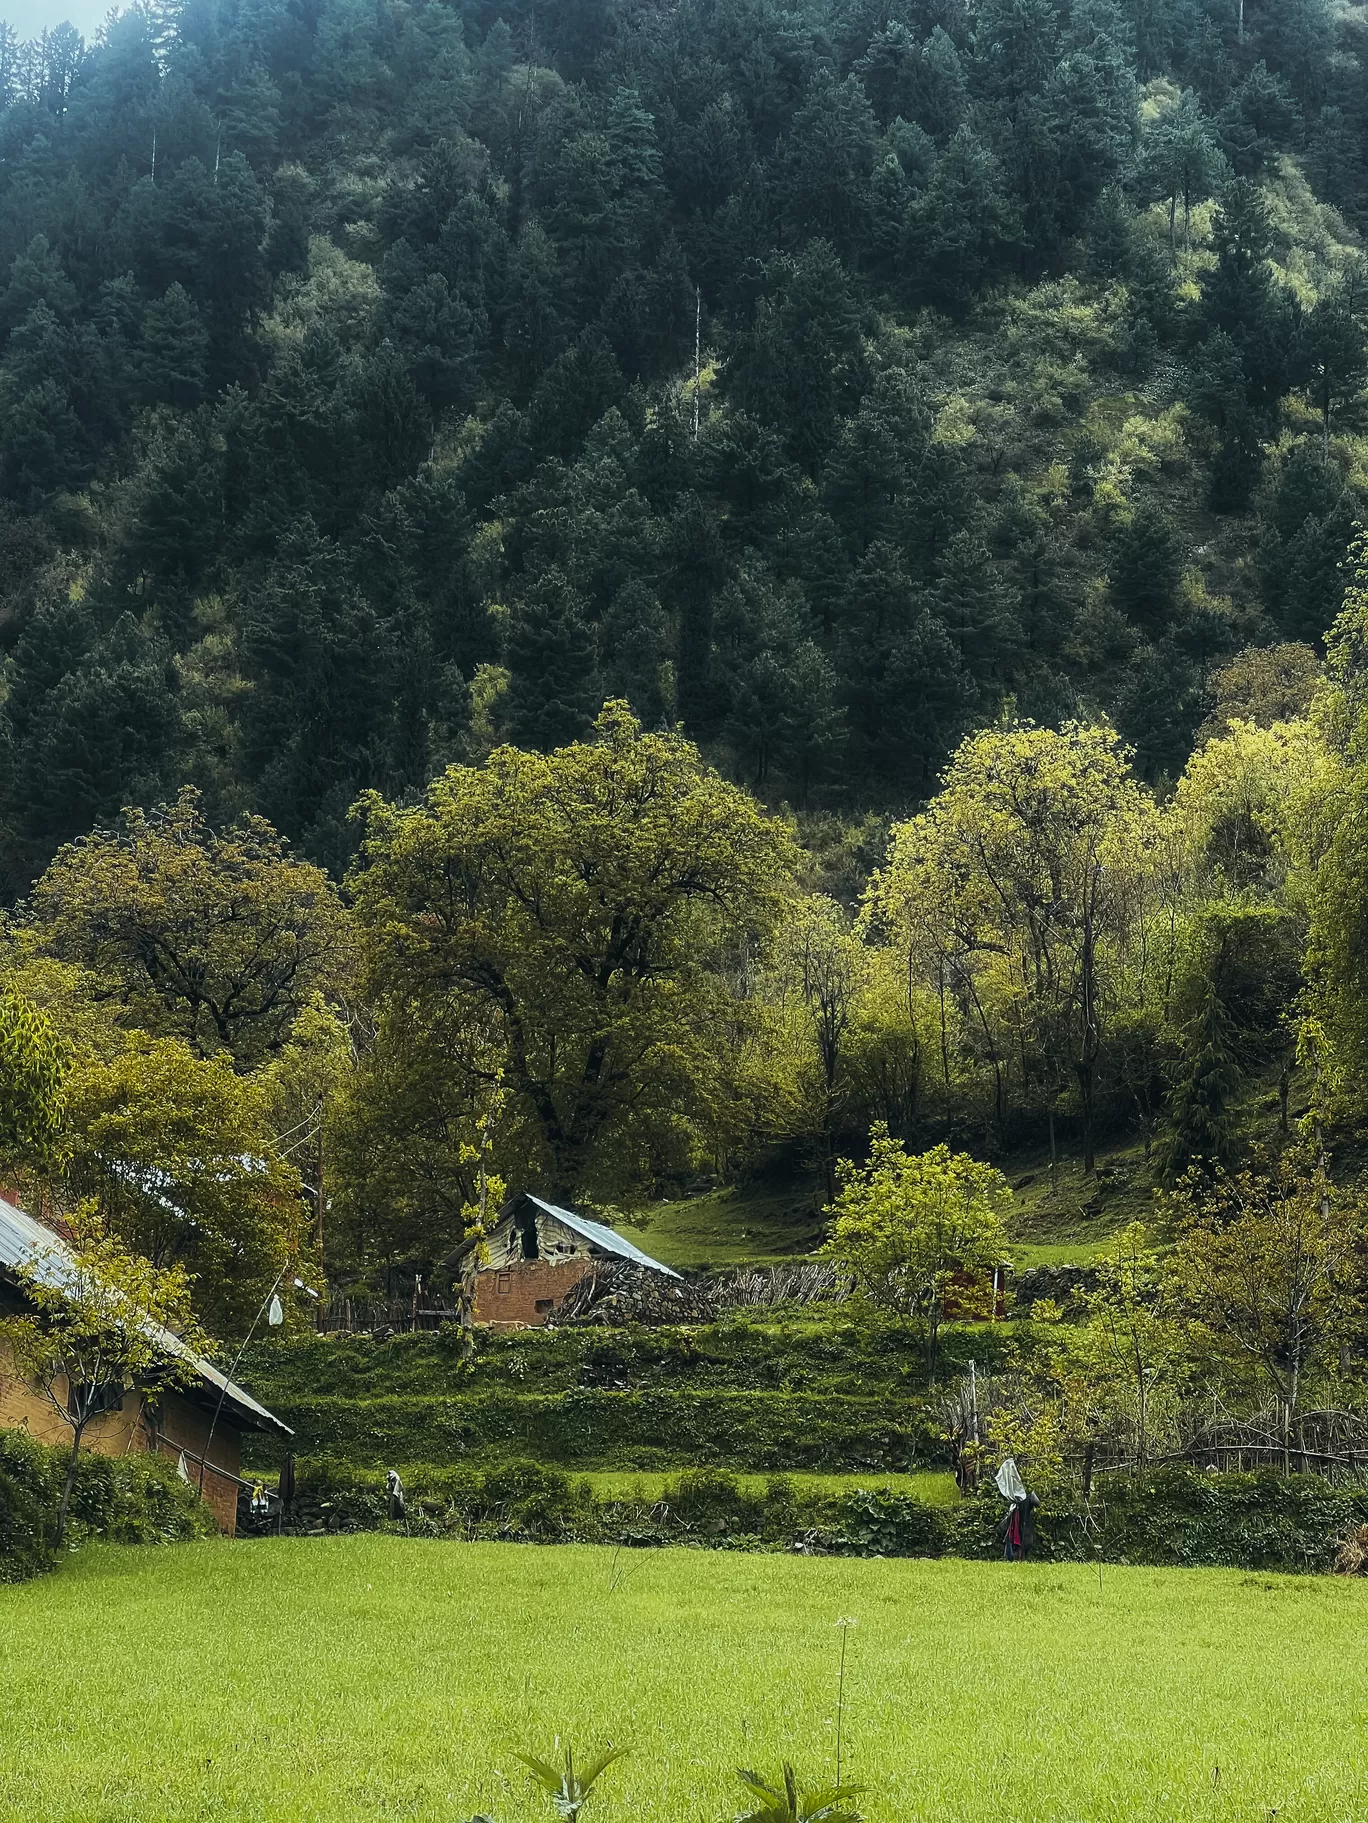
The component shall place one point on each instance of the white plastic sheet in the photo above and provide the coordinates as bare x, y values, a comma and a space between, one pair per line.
1009, 1482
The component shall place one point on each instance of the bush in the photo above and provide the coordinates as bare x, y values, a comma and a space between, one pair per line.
814, 1394
650, 1428
1170, 1517
121, 1499
24, 1521
814, 1354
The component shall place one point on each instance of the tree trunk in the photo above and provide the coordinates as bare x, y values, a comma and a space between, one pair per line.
466, 1295
1091, 1043
70, 1482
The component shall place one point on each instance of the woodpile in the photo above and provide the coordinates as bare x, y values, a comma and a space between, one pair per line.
618, 1292
803, 1282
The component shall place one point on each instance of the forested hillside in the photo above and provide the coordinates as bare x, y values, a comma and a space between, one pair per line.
350, 419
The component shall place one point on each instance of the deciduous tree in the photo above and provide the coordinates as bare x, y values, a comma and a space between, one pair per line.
216, 936
575, 920
910, 1226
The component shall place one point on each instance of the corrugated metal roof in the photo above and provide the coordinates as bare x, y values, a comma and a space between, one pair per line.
607, 1238
28, 1244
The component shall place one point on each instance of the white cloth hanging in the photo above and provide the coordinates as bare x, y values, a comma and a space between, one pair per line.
183, 1467
275, 1316
1009, 1482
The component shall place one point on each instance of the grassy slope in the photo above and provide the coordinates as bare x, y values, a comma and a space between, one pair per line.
735, 1227
378, 1678
730, 1227
935, 1486
1070, 1219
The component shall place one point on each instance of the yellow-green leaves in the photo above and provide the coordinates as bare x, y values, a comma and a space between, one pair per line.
575, 920
217, 937
1248, 804
1021, 893
177, 1154
32, 1078
908, 1225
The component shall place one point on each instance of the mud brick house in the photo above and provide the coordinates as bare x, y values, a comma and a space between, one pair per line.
532, 1257
180, 1420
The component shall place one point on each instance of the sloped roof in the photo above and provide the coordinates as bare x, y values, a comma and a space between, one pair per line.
27, 1244
600, 1236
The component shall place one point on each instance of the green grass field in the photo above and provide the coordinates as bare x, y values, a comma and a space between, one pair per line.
372, 1677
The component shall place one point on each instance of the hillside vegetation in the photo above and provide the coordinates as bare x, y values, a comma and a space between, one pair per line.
662, 604
351, 419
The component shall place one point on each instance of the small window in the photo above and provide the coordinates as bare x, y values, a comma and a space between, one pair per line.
502, 1283
85, 1402
544, 1305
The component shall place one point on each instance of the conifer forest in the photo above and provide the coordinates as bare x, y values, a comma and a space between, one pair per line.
604, 592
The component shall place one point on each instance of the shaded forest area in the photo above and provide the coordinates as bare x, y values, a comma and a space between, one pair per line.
350, 421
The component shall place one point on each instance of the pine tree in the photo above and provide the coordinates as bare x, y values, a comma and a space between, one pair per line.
175, 347
1203, 1123
1146, 566
553, 684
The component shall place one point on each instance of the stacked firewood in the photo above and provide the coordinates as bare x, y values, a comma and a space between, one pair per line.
617, 1292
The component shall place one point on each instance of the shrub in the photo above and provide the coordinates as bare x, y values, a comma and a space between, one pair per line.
1170, 1516
120, 1499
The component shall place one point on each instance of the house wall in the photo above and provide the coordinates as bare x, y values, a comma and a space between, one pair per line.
554, 1242
175, 1425
525, 1292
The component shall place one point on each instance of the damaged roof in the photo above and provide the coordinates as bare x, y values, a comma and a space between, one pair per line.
600, 1236
26, 1245
606, 1239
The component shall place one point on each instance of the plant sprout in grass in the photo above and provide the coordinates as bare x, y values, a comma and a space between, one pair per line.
569, 1790
784, 1802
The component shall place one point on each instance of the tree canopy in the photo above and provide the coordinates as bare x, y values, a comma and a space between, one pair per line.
575, 923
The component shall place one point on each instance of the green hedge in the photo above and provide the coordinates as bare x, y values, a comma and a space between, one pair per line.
122, 1499
1174, 1517
589, 1427
751, 1354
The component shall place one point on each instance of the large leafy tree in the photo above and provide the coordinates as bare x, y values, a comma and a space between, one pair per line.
216, 936
179, 1157
576, 922
1017, 891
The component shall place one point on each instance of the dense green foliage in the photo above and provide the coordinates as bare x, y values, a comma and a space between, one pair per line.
746, 1396
1172, 1515
949, 414
121, 1499
836, 1356
349, 411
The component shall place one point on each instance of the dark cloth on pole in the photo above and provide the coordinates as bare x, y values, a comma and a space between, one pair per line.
1017, 1528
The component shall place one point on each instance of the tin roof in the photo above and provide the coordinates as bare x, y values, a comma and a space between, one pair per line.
606, 1238
27, 1244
